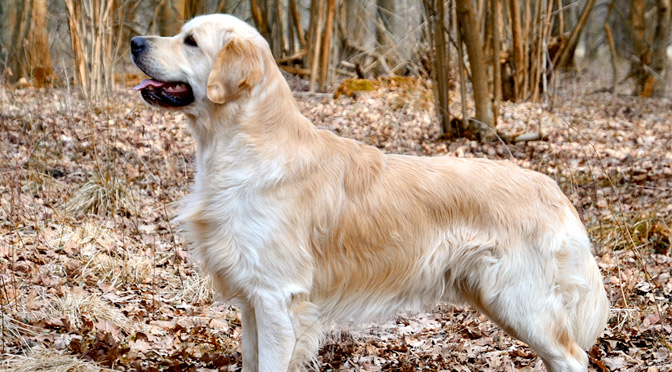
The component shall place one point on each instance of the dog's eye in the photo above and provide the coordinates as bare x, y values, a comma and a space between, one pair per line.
189, 40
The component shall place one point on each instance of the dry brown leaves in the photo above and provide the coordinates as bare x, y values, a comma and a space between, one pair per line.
92, 270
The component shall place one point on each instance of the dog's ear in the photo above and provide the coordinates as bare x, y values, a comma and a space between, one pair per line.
238, 67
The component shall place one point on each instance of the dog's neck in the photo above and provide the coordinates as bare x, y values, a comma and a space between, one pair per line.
264, 127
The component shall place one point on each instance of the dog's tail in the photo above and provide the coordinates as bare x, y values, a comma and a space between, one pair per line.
582, 290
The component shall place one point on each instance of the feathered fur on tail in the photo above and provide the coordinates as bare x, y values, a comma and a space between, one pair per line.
582, 290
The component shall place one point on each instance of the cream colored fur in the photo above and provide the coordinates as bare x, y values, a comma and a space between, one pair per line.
299, 226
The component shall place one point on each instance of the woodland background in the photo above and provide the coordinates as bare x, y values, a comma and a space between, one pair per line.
94, 277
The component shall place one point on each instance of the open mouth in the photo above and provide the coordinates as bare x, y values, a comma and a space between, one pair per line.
166, 93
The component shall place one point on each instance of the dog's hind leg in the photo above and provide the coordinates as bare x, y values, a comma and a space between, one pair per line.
542, 325
250, 345
528, 298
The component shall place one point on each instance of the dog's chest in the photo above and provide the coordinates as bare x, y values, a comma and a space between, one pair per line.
233, 232
234, 220
237, 219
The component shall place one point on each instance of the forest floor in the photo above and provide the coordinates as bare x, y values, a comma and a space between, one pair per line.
94, 275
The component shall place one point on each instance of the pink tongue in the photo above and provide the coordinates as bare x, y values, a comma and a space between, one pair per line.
147, 82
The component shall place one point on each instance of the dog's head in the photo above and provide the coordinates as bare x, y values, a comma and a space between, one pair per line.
215, 59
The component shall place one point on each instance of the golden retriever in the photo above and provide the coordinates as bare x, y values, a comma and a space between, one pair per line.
300, 227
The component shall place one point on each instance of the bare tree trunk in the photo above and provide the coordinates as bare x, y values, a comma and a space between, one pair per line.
642, 55
384, 32
26, 41
95, 44
278, 31
169, 18
535, 61
326, 44
659, 60
354, 25
221, 6
518, 54
526, 51
435, 11
15, 18
481, 9
612, 49
39, 56
269, 18
638, 25
561, 20
540, 74
260, 20
296, 17
192, 8
78, 50
170, 15
463, 74
316, 25
567, 49
292, 48
479, 77
496, 65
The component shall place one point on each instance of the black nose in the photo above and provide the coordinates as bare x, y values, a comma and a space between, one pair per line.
138, 45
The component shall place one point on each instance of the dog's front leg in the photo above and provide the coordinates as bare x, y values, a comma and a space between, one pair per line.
275, 333
250, 347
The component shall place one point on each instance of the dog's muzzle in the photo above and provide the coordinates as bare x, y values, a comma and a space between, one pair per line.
168, 94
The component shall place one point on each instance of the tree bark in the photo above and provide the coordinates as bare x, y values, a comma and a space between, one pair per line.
25, 35
496, 65
221, 6
435, 11
638, 26
260, 20
463, 74
526, 50
567, 49
296, 17
659, 60
192, 8
384, 31
169, 18
95, 44
518, 56
612, 49
316, 27
278, 31
642, 53
479, 77
170, 15
326, 45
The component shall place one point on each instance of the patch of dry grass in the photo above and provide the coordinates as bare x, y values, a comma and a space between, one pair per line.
36, 182
121, 270
11, 329
45, 360
103, 193
196, 289
635, 230
89, 237
73, 306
